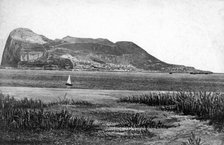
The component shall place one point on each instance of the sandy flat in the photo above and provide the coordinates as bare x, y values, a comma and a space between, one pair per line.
50, 94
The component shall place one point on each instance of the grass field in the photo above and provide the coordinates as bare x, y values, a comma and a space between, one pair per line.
112, 80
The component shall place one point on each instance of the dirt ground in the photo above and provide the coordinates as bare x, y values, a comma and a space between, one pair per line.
108, 112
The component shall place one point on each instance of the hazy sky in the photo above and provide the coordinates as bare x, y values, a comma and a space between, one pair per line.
188, 32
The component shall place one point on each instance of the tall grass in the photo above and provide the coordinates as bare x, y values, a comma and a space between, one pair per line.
205, 105
152, 99
25, 119
193, 140
28, 114
140, 120
67, 101
7, 101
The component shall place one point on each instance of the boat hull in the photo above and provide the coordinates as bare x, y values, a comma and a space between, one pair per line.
68, 84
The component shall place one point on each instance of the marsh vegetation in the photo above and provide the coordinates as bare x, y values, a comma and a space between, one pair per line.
80, 121
203, 105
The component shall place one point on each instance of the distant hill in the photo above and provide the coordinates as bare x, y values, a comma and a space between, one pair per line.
28, 50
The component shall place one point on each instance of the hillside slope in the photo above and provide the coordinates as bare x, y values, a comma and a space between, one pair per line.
26, 49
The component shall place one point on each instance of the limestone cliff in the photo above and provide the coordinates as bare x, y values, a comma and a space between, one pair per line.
26, 49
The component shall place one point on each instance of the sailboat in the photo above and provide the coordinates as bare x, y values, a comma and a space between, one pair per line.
69, 83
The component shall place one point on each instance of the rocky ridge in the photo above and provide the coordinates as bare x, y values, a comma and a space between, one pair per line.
28, 50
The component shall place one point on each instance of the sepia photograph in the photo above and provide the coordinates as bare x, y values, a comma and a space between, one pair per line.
111, 72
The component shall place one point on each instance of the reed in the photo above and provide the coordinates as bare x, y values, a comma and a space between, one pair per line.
7, 101
29, 114
205, 105
193, 140
140, 120
38, 119
67, 101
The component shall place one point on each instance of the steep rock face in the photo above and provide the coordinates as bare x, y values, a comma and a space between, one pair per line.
26, 49
22, 45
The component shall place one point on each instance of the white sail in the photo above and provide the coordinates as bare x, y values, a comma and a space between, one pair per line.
69, 83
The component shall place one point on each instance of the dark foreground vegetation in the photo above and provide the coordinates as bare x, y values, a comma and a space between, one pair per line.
27, 118
203, 105
28, 114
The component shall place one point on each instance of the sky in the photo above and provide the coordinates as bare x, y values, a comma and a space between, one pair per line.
186, 32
